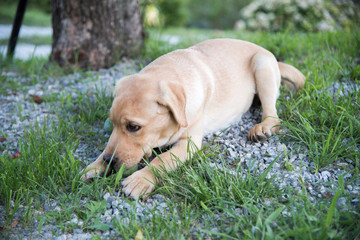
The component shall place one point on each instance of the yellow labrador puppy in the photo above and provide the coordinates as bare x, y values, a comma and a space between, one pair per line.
184, 95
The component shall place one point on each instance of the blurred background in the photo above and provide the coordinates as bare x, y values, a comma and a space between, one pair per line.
219, 14
180, 15
274, 15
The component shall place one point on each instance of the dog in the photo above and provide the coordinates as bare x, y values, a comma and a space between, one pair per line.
185, 94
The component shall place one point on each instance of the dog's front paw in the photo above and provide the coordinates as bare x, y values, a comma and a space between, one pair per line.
262, 131
89, 175
140, 183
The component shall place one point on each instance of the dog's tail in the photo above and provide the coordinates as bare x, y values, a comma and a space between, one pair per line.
291, 77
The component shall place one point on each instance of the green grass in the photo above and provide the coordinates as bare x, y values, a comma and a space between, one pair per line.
36, 70
32, 17
35, 40
204, 201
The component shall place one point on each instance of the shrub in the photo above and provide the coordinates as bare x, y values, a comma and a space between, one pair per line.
214, 13
152, 16
43, 5
174, 12
304, 15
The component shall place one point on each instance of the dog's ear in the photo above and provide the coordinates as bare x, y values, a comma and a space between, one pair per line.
172, 96
119, 84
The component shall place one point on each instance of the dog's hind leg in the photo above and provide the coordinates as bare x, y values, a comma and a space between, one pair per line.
267, 81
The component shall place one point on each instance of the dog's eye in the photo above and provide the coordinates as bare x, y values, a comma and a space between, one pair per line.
132, 127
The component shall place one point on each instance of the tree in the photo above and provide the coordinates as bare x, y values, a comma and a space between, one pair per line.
94, 34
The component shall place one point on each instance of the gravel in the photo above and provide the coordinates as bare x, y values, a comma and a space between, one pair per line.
289, 170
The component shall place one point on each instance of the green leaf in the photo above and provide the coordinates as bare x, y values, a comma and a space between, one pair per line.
332, 208
97, 225
119, 175
128, 172
274, 215
355, 73
341, 183
205, 207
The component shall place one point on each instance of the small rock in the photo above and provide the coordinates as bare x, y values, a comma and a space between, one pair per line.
357, 182
271, 151
341, 202
106, 196
347, 176
322, 189
62, 237
77, 231
281, 147
110, 200
232, 153
74, 220
114, 203
116, 211
163, 205
326, 176
269, 160
108, 213
355, 201
158, 197
46, 207
276, 165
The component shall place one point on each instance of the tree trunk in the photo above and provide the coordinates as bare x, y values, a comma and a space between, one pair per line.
95, 34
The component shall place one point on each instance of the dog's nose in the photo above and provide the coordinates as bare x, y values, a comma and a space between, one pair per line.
110, 158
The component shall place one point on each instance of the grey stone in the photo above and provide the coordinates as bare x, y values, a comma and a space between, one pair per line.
158, 197
232, 153
276, 165
326, 176
46, 207
280, 148
106, 196
269, 160
110, 200
341, 202
57, 209
77, 231
163, 205
108, 213
349, 175
114, 203
271, 151
358, 182
115, 211
127, 206
62, 237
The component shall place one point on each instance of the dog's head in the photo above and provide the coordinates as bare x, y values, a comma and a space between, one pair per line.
146, 113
